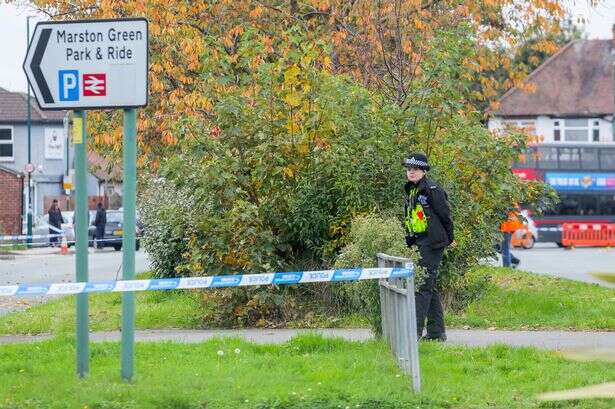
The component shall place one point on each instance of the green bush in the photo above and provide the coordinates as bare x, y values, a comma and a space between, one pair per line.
293, 153
369, 235
166, 213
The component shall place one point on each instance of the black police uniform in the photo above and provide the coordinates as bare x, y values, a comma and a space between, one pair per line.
431, 245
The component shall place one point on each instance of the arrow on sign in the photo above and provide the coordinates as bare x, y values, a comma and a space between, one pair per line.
35, 65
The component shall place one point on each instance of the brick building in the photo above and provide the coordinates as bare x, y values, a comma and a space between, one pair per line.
11, 186
51, 155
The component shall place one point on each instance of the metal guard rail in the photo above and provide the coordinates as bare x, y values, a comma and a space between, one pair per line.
398, 317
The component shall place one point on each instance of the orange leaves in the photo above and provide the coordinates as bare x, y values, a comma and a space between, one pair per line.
338, 37
168, 138
256, 12
545, 46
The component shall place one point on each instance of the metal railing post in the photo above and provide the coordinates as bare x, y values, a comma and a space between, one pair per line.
413, 345
398, 317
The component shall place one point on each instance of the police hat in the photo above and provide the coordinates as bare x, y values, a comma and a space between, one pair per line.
416, 160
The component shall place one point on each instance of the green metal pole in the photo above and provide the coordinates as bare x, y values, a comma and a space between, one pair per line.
29, 211
81, 236
128, 256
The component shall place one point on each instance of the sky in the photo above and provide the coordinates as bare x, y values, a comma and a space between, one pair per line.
13, 31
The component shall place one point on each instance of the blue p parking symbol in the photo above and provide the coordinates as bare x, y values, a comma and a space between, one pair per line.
68, 83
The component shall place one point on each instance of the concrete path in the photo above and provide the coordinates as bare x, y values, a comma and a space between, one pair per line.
553, 340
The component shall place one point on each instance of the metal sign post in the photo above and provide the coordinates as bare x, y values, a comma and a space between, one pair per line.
81, 237
95, 64
128, 259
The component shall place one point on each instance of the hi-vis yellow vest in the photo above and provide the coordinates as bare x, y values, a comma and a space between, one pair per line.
416, 220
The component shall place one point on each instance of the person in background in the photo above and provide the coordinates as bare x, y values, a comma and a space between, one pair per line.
100, 221
55, 222
429, 227
508, 228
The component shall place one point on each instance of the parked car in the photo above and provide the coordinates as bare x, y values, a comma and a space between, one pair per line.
527, 236
114, 233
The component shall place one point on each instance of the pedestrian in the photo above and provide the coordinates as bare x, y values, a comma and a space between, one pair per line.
508, 227
429, 227
55, 222
100, 221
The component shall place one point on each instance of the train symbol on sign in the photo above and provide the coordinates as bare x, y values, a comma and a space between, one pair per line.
94, 85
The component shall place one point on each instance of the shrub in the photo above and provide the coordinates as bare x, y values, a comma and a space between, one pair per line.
370, 234
166, 213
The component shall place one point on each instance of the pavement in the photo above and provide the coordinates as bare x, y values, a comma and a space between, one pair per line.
575, 264
548, 340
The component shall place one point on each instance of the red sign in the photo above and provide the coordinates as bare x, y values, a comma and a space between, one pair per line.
526, 173
94, 85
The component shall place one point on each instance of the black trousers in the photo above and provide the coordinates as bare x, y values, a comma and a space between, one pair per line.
428, 303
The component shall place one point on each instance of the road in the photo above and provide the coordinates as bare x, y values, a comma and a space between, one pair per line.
575, 264
47, 266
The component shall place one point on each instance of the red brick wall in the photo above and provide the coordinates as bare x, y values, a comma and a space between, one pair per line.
11, 189
69, 202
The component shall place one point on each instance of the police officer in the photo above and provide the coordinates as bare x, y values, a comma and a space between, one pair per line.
428, 226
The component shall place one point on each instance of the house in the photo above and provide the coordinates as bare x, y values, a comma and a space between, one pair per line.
570, 116
51, 157
574, 100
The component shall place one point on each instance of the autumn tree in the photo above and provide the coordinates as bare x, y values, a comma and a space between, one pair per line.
382, 43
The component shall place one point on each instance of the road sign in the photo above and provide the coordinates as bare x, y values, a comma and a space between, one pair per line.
29, 168
89, 64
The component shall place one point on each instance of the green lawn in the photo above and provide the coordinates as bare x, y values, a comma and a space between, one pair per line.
519, 300
307, 372
514, 300
155, 309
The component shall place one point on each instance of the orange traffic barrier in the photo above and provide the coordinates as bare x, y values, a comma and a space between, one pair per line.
588, 235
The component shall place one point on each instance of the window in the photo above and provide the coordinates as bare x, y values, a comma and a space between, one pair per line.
547, 157
607, 159
589, 158
569, 158
6, 144
576, 130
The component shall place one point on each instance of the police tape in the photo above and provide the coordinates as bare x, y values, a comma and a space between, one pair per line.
225, 281
26, 237
59, 232
46, 243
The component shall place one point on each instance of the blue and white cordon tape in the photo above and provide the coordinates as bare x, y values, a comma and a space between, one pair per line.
26, 237
239, 280
59, 233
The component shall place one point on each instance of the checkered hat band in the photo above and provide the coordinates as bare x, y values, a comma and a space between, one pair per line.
414, 162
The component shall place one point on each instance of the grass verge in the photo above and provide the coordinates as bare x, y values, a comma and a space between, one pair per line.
155, 309
513, 300
308, 371
520, 300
